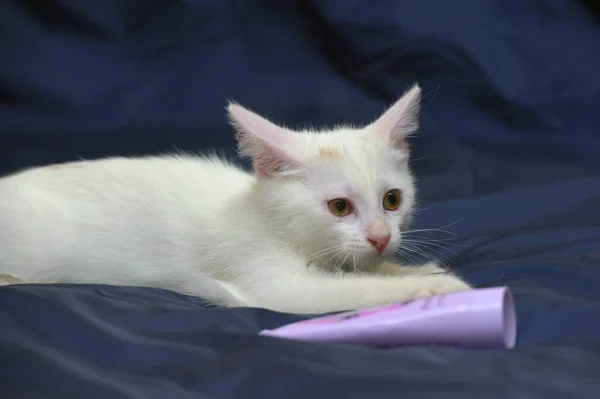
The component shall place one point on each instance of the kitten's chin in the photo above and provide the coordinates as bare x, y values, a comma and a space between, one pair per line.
367, 261
374, 260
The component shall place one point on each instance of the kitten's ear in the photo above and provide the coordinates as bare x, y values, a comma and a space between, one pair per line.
400, 120
267, 144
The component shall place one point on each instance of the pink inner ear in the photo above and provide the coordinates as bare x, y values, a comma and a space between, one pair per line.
254, 126
400, 120
267, 144
270, 161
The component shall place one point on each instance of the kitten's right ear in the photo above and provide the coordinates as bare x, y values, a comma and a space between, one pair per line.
268, 145
400, 120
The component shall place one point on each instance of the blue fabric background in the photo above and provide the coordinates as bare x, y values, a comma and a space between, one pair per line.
507, 159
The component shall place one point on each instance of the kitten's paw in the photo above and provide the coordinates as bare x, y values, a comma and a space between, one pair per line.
439, 284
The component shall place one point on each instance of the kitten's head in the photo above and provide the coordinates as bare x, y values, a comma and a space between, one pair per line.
341, 196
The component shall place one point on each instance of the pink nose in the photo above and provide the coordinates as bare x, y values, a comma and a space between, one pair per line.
379, 242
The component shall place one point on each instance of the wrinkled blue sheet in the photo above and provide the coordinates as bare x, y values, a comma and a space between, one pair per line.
508, 160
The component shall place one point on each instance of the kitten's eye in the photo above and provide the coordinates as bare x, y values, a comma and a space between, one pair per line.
392, 200
340, 207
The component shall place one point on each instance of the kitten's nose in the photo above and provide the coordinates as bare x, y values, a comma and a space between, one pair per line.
379, 242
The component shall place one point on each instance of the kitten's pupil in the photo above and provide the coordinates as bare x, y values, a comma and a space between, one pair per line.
392, 198
340, 205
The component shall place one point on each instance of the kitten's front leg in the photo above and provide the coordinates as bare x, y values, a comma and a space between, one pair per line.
319, 292
395, 269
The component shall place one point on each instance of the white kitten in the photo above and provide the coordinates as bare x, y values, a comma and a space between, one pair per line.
281, 238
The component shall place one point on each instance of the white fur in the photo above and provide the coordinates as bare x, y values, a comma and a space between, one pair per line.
205, 227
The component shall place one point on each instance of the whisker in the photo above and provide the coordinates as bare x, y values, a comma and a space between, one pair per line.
324, 252
426, 157
443, 240
428, 231
411, 258
419, 252
415, 246
335, 256
436, 251
433, 244
341, 264
441, 229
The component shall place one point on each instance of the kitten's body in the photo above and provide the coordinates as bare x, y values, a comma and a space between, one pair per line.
202, 226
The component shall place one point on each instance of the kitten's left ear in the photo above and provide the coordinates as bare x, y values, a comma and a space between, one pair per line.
400, 120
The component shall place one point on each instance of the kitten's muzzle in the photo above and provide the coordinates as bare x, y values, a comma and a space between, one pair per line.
378, 233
